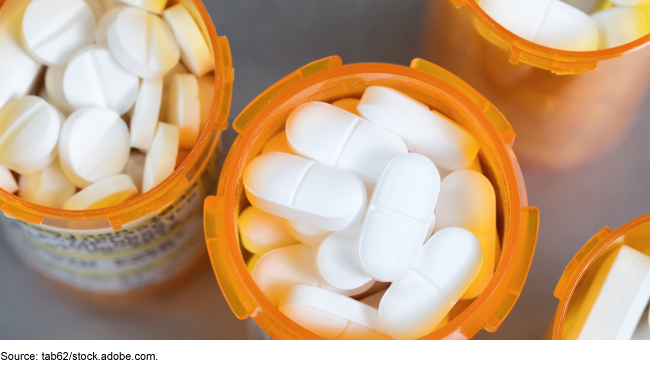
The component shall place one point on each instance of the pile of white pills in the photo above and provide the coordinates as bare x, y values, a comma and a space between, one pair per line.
572, 25
102, 63
349, 200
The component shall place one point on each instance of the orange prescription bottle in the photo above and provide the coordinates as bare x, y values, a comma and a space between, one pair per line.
566, 107
140, 246
328, 80
579, 274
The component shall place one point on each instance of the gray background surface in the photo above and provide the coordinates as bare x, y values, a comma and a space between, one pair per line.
269, 39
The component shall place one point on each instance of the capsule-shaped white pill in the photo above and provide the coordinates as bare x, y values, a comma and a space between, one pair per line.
48, 187
620, 25
398, 217
184, 108
144, 116
424, 131
467, 200
154, 6
143, 43
550, 23
161, 157
305, 191
195, 53
94, 145
29, 131
338, 260
331, 315
105, 193
327, 134
135, 167
53, 30
416, 303
54, 87
261, 232
348, 104
278, 143
305, 233
7, 180
279, 269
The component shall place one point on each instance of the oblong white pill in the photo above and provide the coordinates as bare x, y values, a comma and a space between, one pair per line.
101, 34
467, 200
19, 72
424, 131
550, 23
143, 43
7, 180
94, 78
206, 95
167, 80
619, 25
398, 217
184, 108
48, 187
305, 191
194, 49
261, 232
105, 193
94, 145
305, 233
327, 134
161, 157
348, 104
135, 167
331, 315
154, 6
415, 304
29, 131
278, 143
145, 114
54, 88
338, 260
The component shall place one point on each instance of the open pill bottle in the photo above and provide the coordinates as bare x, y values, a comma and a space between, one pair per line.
580, 273
328, 80
566, 107
141, 246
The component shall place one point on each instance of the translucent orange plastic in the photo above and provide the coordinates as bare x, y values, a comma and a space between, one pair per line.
579, 273
566, 107
327, 80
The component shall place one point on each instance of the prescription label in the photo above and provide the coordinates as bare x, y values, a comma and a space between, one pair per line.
144, 253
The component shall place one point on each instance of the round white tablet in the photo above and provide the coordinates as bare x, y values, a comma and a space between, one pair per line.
7, 180
29, 131
161, 157
194, 49
154, 6
143, 43
53, 30
135, 167
48, 187
105, 193
101, 7
94, 145
101, 35
145, 113
54, 87
94, 78
184, 108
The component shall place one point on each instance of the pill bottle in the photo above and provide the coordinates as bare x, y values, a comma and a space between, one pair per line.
328, 80
577, 277
144, 245
566, 107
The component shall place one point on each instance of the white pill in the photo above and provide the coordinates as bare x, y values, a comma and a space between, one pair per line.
416, 303
54, 87
618, 26
7, 180
145, 113
424, 131
94, 78
19, 72
101, 7
29, 131
348, 104
206, 96
550, 23
261, 232
101, 34
278, 143
616, 299
398, 217
143, 43
305, 233
167, 80
467, 200
53, 30
327, 134
184, 108
94, 145
48, 187
154, 6
338, 260
279, 269
135, 167
194, 49
105, 193
305, 191
161, 157
331, 315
